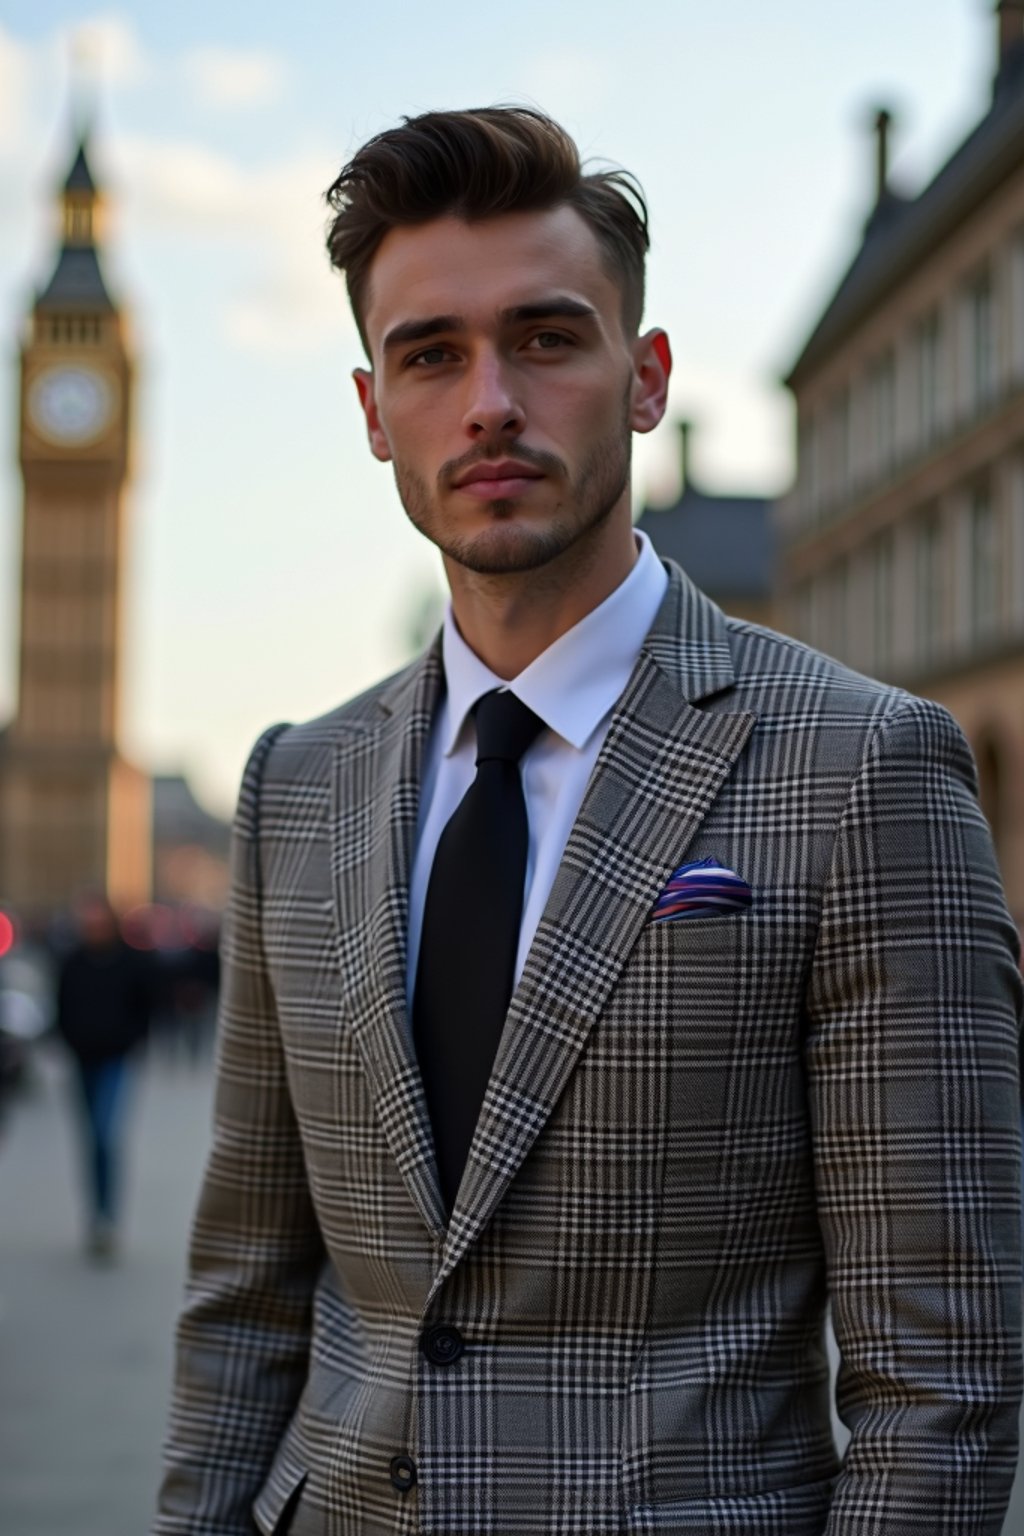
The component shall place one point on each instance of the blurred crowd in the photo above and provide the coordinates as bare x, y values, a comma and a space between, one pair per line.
103, 988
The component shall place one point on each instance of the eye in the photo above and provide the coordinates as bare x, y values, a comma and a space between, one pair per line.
429, 357
550, 341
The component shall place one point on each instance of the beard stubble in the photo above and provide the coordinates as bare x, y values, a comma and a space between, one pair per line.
500, 550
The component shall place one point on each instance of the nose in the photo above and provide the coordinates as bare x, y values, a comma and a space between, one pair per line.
493, 406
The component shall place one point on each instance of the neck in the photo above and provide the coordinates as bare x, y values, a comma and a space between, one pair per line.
509, 619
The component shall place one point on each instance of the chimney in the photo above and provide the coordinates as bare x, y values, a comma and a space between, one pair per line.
685, 429
1011, 25
883, 129
1010, 16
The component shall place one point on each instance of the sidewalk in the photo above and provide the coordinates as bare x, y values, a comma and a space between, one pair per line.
85, 1353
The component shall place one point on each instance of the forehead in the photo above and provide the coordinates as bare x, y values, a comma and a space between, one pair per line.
449, 266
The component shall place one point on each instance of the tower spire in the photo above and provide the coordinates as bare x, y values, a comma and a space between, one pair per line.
80, 200
77, 282
80, 194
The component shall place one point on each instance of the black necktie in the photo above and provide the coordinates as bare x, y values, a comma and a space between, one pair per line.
470, 933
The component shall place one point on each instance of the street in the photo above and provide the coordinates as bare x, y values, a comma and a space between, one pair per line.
85, 1351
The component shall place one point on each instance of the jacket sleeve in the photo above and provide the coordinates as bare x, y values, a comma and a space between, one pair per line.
914, 1008
256, 1251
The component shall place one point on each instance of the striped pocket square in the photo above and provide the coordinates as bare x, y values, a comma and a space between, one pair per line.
703, 889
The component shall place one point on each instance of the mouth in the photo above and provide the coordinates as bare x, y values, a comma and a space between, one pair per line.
496, 482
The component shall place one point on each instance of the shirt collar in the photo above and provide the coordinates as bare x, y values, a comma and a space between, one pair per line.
575, 682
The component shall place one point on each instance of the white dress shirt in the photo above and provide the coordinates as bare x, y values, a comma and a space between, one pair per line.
573, 686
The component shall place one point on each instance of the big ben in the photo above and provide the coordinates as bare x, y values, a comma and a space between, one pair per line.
74, 814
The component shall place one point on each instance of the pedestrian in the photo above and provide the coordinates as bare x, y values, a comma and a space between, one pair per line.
603, 995
103, 1007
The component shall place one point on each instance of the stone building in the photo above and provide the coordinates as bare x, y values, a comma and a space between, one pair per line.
73, 811
902, 541
190, 847
726, 544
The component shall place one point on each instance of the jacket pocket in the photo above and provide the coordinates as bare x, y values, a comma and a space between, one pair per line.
799, 1510
274, 1509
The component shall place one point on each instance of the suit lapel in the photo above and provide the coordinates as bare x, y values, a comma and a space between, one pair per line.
662, 765
375, 804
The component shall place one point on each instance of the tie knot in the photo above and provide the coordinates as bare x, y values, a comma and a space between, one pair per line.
505, 727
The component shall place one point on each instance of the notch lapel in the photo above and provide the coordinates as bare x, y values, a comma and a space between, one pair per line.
375, 804
662, 764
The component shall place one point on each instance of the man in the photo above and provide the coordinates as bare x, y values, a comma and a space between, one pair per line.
603, 993
104, 997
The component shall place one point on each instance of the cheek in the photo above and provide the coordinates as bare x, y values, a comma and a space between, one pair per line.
405, 432
573, 412
414, 422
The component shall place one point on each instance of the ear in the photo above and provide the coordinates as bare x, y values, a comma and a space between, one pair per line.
379, 445
652, 368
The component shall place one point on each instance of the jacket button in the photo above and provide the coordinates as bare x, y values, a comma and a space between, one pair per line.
403, 1473
443, 1345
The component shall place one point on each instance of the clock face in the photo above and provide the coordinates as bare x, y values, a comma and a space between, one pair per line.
70, 406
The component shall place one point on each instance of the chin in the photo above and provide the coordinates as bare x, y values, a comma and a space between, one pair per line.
506, 546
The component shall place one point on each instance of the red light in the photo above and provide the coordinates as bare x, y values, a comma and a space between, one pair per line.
6, 934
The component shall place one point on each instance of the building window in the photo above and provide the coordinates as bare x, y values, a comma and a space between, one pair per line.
882, 388
882, 600
807, 450
839, 619
1014, 557
982, 360
1017, 304
859, 468
840, 446
928, 605
929, 365
984, 559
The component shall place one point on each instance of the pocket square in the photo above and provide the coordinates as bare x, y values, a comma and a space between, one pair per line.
703, 889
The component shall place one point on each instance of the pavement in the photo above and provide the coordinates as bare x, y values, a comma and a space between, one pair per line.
85, 1351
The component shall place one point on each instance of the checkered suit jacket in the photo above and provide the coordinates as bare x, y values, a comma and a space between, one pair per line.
695, 1133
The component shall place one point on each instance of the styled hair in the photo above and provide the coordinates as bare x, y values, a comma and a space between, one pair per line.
474, 165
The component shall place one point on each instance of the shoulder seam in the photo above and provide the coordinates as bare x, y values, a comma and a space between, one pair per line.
263, 747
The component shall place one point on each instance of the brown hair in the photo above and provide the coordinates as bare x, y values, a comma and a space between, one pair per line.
477, 164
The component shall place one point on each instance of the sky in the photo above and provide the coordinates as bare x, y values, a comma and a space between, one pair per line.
273, 572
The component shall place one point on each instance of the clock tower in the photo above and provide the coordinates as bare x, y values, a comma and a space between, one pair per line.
73, 812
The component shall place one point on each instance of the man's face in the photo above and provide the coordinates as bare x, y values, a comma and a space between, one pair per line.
504, 388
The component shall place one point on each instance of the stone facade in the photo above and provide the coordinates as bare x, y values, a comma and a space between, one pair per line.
73, 812
902, 541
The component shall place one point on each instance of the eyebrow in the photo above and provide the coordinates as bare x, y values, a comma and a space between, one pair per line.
549, 309
420, 330
556, 308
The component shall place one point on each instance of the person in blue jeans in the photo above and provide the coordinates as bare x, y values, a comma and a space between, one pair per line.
104, 997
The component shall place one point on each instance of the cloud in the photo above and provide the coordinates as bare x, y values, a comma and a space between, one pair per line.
15, 73
106, 48
179, 186
104, 52
299, 309
226, 77
270, 213
182, 184
75, 64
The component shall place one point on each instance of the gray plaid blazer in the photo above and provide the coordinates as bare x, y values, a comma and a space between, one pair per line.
696, 1133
